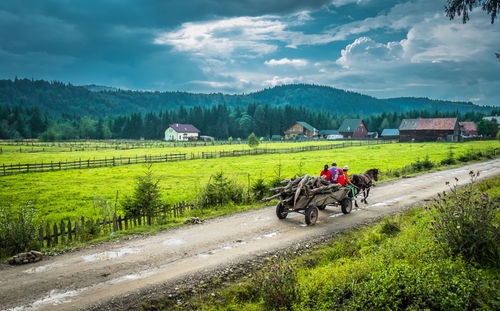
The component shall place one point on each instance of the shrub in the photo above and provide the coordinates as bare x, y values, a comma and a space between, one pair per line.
449, 160
17, 229
259, 189
253, 141
464, 223
146, 198
389, 227
88, 230
220, 190
277, 286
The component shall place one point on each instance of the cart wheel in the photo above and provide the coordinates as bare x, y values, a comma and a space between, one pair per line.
346, 205
322, 207
280, 211
311, 215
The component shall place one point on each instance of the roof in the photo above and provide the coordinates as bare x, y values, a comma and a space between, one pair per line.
329, 132
307, 126
468, 126
350, 125
184, 128
428, 124
408, 124
390, 132
437, 124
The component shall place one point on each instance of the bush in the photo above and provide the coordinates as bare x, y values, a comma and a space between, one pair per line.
277, 286
449, 160
88, 230
17, 230
253, 141
146, 198
259, 189
464, 223
220, 190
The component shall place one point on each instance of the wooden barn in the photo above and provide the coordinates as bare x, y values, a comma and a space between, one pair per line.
468, 129
435, 129
301, 128
390, 134
353, 128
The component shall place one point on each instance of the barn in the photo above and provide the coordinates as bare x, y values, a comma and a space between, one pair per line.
390, 134
353, 128
301, 128
468, 129
181, 132
435, 129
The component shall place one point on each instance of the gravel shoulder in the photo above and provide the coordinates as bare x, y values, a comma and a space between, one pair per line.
116, 273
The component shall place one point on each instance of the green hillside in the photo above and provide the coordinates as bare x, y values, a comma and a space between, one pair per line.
93, 100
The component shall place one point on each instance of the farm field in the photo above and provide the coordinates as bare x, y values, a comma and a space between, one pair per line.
64, 194
39, 152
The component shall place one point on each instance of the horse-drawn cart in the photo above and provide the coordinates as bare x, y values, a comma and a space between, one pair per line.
306, 195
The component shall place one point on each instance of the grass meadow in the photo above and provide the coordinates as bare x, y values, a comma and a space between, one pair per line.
63, 194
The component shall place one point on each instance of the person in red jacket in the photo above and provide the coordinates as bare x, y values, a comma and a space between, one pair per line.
340, 177
326, 172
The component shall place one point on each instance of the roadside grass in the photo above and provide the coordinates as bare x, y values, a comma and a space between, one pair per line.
395, 264
62, 195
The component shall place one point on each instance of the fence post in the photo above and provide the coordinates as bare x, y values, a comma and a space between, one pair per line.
63, 233
69, 232
56, 239
115, 225
40, 235
49, 239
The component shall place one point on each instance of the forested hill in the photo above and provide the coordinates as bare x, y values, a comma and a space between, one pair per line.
56, 98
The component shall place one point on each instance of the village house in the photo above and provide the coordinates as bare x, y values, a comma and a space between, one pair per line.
468, 129
353, 128
181, 132
301, 128
389, 134
435, 129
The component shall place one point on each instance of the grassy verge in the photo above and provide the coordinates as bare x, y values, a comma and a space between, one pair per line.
396, 264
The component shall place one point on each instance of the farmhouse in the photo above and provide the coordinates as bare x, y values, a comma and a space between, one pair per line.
468, 129
301, 128
353, 128
181, 132
436, 129
389, 134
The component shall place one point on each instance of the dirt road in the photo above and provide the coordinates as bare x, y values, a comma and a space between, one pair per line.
98, 274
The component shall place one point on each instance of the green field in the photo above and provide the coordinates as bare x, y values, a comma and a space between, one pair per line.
64, 194
39, 153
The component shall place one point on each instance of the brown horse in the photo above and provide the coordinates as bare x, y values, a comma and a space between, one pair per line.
363, 182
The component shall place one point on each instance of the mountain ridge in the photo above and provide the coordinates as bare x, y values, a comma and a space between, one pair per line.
96, 100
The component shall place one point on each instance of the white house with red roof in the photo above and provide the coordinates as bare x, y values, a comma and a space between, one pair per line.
181, 132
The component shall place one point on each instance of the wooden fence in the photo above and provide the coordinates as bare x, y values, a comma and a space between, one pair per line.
66, 232
9, 169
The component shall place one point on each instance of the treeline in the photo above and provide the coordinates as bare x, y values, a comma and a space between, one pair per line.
98, 101
218, 121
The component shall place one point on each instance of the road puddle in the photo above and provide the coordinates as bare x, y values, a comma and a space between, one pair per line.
336, 215
110, 254
271, 235
173, 242
42, 268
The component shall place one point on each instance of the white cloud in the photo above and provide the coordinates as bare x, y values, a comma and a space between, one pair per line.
276, 80
364, 51
286, 62
339, 3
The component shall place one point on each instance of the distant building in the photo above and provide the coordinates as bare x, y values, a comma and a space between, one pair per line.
389, 134
353, 128
436, 129
333, 133
181, 132
372, 135
301, 128
468, 129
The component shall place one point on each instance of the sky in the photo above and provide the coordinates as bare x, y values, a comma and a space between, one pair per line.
377, 47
